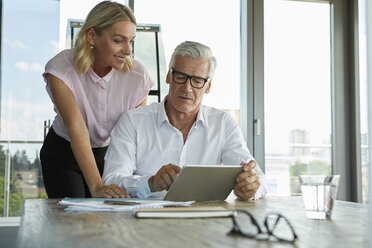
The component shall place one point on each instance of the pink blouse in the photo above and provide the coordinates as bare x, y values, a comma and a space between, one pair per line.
101, 100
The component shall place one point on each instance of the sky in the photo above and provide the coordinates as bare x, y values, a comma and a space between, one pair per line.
29, 40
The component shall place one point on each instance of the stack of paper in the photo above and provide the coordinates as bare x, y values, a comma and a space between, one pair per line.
118, 204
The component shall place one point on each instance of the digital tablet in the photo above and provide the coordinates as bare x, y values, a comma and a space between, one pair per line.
203, 183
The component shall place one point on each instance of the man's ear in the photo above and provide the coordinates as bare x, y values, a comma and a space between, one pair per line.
169, 77
208, 87
91, 34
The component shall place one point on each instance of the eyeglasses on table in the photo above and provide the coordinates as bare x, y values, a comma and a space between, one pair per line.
278, 227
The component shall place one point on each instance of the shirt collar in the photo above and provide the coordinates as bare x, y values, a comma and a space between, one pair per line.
98, 80
162, 115
201, 117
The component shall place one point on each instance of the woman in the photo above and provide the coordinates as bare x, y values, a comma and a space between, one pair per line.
91, 86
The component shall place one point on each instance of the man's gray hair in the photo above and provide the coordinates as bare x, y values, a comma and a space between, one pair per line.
195, 50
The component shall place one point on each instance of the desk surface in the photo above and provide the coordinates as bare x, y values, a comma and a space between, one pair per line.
45, 224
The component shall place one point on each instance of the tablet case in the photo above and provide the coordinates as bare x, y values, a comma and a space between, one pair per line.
204, 183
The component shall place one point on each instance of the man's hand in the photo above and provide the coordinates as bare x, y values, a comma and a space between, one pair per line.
247, 181
164, 177
109, 191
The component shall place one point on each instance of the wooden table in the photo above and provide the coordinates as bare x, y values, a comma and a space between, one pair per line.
45, 224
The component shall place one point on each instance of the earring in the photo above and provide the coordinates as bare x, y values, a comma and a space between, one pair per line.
91, 46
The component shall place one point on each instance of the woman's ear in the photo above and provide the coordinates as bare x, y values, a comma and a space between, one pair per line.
91, 34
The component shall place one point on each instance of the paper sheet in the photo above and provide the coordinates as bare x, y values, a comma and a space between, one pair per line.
98, 205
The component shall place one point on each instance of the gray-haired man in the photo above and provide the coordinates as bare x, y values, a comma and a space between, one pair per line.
149, 145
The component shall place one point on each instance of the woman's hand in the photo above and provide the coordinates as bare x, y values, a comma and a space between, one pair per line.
109, 191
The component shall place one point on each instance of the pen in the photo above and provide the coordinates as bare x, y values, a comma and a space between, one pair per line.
121, 202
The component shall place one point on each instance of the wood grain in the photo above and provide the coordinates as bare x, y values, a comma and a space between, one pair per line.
45, 224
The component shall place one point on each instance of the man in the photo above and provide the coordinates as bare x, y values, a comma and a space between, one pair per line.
149, 145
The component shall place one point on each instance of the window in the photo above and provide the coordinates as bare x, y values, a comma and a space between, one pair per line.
297, 93
33, 31
26, 47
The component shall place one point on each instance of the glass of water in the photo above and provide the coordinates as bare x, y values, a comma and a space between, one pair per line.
319, 194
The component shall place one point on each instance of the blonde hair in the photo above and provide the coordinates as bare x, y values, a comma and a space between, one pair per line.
100, 18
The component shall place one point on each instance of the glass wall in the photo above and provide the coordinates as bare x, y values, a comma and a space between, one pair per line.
26, 47
297, 92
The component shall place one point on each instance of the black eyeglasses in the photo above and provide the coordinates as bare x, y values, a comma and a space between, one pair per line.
246, 225
181, 78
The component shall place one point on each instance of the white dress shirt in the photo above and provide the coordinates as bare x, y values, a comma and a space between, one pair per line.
143, 141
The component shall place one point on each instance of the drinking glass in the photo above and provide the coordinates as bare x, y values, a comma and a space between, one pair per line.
319, 194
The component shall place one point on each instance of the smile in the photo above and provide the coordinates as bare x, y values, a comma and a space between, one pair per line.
121, 59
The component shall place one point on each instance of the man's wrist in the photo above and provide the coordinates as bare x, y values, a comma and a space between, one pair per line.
150, 182
244, 198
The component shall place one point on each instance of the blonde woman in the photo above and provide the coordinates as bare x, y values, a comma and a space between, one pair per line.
91, 86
